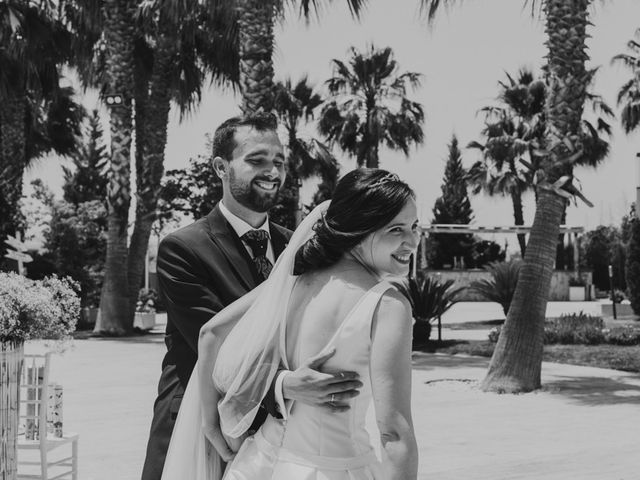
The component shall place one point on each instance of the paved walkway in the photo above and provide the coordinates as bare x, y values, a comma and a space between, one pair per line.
584, 424
479, 311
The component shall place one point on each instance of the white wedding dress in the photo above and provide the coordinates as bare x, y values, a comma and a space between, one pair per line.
314, 443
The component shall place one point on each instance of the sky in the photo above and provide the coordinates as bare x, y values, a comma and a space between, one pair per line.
462, 56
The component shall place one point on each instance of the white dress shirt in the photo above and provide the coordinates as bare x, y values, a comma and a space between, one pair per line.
241, 227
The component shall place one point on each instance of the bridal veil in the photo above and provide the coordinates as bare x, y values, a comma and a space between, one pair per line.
245, 368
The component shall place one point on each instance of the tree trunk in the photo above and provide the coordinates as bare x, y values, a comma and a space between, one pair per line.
373, 159
255, 22
517, 359
114, 318
518, 217
12, 165
151, 126
515, 365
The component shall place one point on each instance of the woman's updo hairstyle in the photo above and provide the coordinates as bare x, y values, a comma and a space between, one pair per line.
365, 200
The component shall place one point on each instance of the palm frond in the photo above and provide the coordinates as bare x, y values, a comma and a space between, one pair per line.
502, 285
430, 298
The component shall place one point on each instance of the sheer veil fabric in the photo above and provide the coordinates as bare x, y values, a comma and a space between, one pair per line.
245, 368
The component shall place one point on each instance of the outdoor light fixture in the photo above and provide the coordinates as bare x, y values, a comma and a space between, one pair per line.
114, 100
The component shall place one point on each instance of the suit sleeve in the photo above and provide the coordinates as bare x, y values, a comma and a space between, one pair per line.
190, 302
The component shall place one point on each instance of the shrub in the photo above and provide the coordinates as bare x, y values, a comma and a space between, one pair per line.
625, 336
574, 328
148, 301
576, 282
77, 243
633, 266
494, 334
501, 287
429, 300
581, 329
603, 247
618, 296
29, 309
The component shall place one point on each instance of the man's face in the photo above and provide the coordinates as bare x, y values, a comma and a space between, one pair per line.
256, 169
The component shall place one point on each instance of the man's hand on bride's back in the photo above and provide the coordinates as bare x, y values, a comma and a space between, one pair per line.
331, 390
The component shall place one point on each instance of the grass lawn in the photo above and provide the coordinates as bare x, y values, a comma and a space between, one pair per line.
604, 356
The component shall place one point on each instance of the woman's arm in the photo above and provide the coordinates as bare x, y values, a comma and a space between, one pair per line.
391, 385
212, 335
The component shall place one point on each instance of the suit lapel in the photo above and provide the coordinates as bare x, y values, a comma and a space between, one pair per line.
278, 240
231, 246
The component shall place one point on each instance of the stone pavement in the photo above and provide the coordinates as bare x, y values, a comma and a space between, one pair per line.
479, 311
583, 425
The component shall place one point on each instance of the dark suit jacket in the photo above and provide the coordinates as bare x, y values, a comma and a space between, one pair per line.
201, 269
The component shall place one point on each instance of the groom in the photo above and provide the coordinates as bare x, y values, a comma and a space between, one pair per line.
209, 264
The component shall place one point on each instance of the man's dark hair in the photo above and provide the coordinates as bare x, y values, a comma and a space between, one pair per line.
223, 138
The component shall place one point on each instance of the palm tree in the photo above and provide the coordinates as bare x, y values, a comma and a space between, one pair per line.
37, 115
515, 130
629, 99
517, 359
256, 19
498, 173
629, 94
368, 106
179, 44
175, 47
292, 104
117, 48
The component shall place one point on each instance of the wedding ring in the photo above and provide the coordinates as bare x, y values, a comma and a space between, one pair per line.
332, 396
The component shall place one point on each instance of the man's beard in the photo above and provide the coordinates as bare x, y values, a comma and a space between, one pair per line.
248, 196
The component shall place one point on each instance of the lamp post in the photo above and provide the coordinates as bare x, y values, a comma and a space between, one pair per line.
613, 296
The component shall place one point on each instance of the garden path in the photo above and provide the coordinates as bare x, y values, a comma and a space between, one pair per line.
583, 425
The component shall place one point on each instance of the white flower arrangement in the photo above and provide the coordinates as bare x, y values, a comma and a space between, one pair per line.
43, 309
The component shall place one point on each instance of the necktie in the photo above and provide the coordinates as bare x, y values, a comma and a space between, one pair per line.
258, 241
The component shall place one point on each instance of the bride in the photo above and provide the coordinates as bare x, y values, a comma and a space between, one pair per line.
328, 292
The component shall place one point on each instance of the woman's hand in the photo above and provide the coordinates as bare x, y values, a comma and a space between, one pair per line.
235, 443
217, 440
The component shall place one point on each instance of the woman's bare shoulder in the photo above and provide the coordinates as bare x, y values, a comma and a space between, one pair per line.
394, 304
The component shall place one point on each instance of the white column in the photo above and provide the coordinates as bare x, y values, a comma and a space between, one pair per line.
146, 269
576, 252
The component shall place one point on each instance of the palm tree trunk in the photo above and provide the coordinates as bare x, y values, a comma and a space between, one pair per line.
255, 21
373, 160
517, 359
518, 217
115, 318
12, 164
151, 140
370, 140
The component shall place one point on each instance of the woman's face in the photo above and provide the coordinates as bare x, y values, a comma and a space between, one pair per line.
387, 251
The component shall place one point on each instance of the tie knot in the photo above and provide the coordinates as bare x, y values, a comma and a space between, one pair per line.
257, 241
